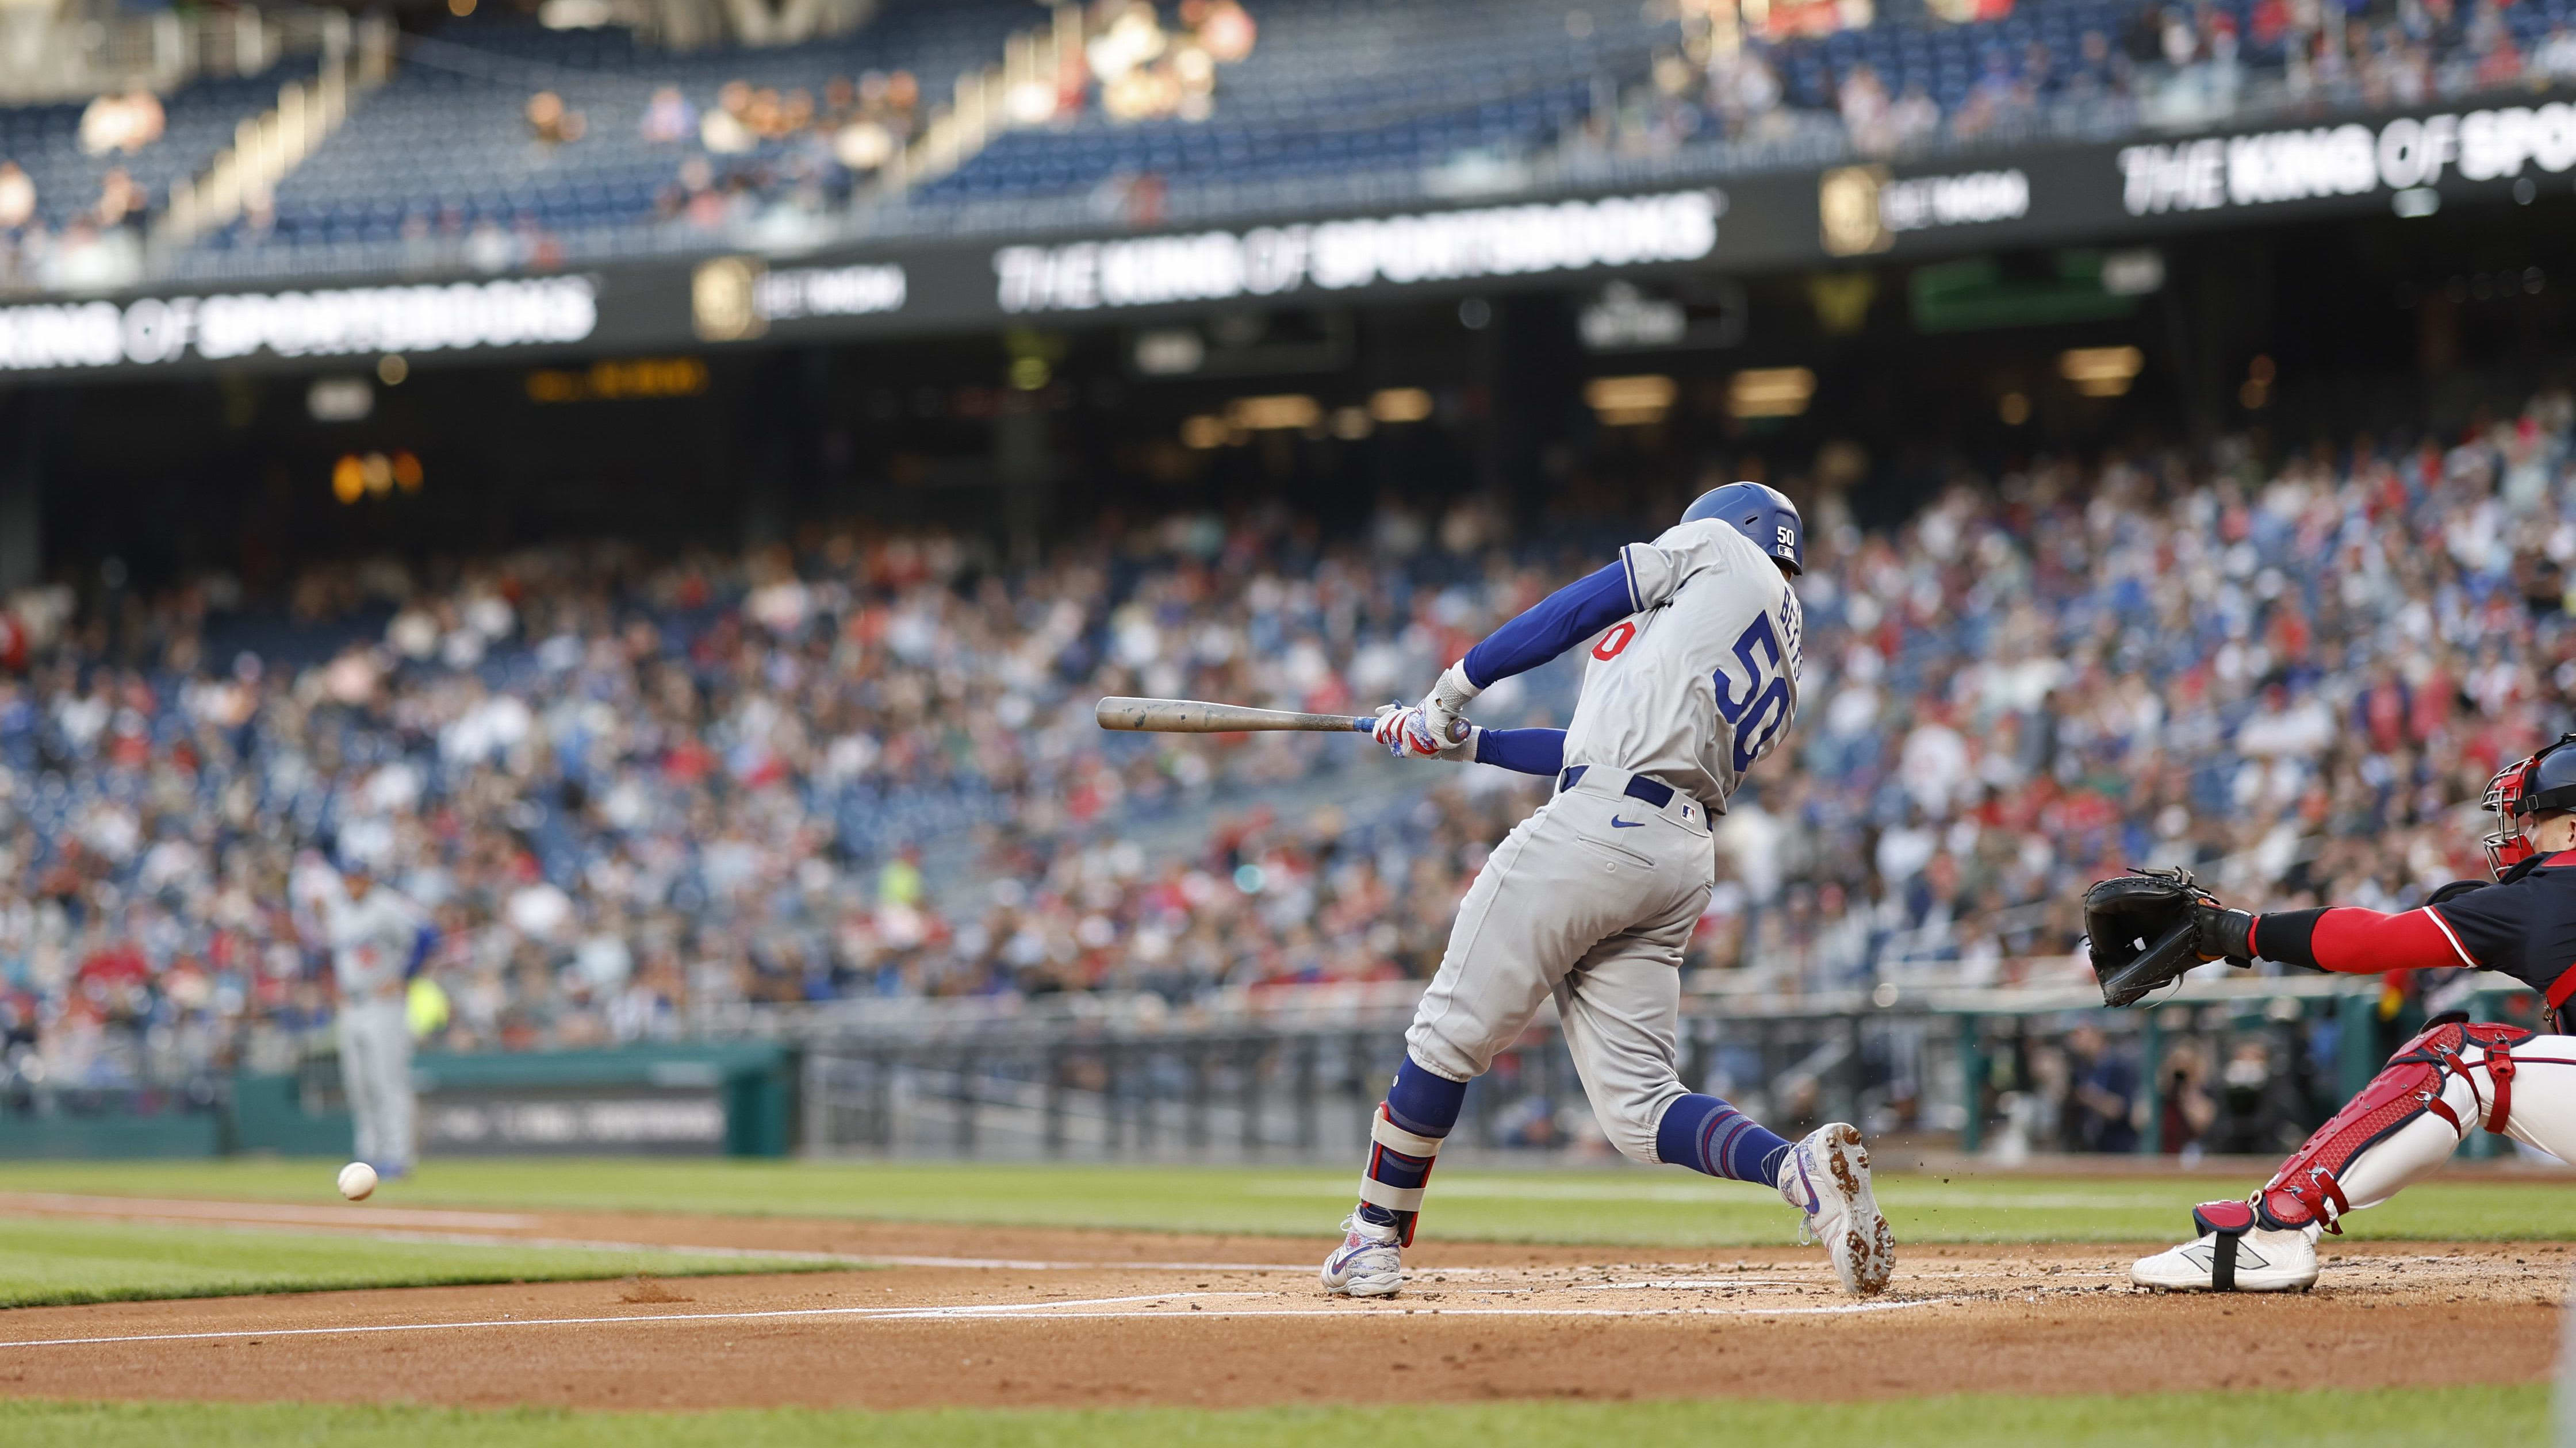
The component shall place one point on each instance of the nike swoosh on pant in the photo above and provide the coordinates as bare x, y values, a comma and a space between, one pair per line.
1617, 823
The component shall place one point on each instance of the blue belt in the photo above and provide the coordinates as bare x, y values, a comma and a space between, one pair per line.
1653, 792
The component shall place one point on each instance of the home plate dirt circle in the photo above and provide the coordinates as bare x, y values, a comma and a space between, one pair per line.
941, 1315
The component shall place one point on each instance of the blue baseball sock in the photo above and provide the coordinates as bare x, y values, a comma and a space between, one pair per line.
1426, 1105
1707, 1135
1422, 1103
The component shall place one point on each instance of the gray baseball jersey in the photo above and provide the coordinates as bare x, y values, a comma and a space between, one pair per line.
1703, 679
371, 939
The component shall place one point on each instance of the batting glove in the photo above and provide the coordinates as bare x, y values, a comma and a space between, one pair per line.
1407, 734
1448, 700
1404, 732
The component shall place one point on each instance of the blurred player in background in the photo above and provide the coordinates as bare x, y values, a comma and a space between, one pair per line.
377, 940
1692, 678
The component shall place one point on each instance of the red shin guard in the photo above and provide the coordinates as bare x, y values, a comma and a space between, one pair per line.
2309, 1190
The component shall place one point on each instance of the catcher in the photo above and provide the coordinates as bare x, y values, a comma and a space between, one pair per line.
2150, 926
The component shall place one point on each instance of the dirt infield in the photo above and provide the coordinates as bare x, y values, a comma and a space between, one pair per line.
984, 1317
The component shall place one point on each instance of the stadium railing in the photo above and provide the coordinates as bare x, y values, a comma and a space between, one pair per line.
1124, 1080
1292, 1074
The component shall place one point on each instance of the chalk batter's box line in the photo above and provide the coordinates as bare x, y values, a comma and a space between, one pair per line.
994, 1312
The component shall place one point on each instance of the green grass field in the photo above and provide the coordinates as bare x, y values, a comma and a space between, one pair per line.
67, 1261
45, 1262
1625, 1206
2499, 1418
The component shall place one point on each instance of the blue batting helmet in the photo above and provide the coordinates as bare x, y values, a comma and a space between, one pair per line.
1761, 514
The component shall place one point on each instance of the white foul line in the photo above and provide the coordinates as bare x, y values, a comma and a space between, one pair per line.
201, 1211
1016, 1265
866, 1313
385, 1224
1835, 1310
777, 1254
453, 1226
998, 1311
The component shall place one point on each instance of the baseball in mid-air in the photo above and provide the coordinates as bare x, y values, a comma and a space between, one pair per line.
357, 1181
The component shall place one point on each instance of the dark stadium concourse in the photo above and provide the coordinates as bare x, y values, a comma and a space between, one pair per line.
1616, 398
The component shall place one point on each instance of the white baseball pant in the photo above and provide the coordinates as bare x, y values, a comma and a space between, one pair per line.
375, 1071
2542, 1113
1592, 899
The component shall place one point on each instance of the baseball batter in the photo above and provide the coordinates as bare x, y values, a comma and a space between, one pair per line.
376, 937
2454, 1078
1692, 677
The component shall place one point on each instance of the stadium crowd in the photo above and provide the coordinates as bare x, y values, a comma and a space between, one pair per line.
755, 142
2116, 68
627, 137
628, 788
2167, 64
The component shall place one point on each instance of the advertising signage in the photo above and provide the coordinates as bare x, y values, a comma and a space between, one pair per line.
2350, 160
1338, 256
2108, 193
344, 322
2122, 191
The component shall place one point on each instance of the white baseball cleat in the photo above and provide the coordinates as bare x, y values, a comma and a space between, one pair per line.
1367, 1264
2264, 1261
1826, 1177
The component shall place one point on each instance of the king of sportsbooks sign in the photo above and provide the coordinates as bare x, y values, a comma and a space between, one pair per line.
1335, 256
2348, 160
354, 321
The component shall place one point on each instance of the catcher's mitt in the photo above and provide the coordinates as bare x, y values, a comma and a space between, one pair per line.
2144, 929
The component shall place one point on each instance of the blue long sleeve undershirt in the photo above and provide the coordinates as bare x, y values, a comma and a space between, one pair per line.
1553, 624
1529, 751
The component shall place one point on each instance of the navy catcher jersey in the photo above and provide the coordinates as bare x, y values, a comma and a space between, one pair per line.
2523, 926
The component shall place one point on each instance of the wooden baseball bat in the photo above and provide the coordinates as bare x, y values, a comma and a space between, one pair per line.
1193, 716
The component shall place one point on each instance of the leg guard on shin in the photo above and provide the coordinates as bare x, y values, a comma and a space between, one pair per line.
1399, 1164
2308, 1189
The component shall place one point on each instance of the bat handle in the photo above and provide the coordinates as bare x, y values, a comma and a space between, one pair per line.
1363, 726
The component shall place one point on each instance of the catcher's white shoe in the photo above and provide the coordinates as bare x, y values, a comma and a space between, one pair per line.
1826, 1177
2264, 1261
1367, 1264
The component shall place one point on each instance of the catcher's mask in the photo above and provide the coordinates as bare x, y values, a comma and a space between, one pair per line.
2544, 783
